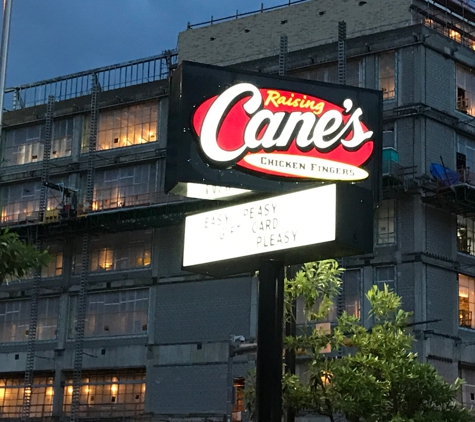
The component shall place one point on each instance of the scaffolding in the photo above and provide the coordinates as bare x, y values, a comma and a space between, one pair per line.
453, 18
153, 209
86, 243
32, 329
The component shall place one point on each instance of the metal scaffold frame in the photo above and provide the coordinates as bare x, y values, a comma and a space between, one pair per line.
86, 241
33, 324
452, 18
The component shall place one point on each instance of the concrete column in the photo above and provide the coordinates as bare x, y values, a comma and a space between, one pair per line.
162, 122
58, 387
78, 124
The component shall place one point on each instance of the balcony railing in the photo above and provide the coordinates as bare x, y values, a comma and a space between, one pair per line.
106, 203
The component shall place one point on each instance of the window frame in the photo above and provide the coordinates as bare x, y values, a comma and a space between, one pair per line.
466, 301
356, 304
42, 394
385, 80
390, 282
102, 324
121, 383
389, 217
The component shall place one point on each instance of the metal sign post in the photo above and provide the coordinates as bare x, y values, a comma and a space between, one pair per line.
269, 344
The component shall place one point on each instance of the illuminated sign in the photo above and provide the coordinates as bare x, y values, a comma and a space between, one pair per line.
266, 133
295, 227
283, 133
201, 191
260, 226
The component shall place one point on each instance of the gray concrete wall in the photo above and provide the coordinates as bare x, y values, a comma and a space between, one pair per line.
208, 310
189, 389
306, 24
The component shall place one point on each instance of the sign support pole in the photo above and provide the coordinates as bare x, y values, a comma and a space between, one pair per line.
269, 343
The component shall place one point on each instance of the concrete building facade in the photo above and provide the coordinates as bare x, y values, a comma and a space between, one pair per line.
113, 328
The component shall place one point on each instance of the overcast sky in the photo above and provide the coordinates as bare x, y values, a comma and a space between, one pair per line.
50, 38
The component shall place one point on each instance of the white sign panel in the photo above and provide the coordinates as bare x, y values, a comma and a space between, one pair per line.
196, 190
288, 221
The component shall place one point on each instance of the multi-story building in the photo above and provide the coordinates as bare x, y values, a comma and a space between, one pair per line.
113, 328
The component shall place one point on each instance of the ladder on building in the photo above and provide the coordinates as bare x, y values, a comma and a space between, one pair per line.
342, 52
33, 325
82, 298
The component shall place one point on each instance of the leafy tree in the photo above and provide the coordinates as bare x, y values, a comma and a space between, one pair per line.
17, 258
378, 379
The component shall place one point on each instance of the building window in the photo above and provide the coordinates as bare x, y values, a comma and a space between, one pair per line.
355, 73
113, 313
466, 300
329, 73
53, 268
118, 251
465, 83
385, 218
124, 127
12, 390
26, 144
386, 276
302, 319
468, 388
238, 403
124, 187
389, 136
107, 394
15, 320
387, 75
323, 73
21, 202
352, 292
465, 235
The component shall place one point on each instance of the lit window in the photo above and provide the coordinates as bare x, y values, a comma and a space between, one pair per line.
465, 90
386, 276
21, 202
455, 35
26, 144
15, 320
466, 300
12, 390
352, 291
385, 222
118, 251
238, 403
54, 267
468, 388
387, 75
124, 187
108, 394
114, 313
125, 127
465, 235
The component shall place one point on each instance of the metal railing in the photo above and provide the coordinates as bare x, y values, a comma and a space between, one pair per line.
238, 15
121, 75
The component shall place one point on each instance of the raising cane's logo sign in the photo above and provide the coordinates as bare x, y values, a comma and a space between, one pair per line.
283, 133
